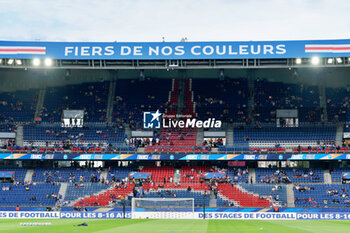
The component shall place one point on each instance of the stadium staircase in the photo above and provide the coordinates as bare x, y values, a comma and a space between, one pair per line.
177, 175
127, 130
252, 175
173, 98
229, 136
212, 200
104, 173
189, 105
242, 197
327, 176
40, 103
19, 135
63, 190
290, 195
29, 175
339, 134
200, 136
110, 102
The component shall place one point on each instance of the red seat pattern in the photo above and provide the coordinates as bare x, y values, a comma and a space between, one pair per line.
90, 150
41, 149
173, 186
173, 99
188, 101
244, 199
321, 150
267, 149
103, 198
177, 140
159, 173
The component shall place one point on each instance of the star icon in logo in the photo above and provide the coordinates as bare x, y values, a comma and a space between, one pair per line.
156, 115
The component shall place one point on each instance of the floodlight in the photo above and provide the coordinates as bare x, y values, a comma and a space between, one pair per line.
315, 60
339, 60
298, 61
36, 62
18, 62
48, 62
10, 61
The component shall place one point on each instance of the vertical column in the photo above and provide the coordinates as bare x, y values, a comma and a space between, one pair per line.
323, 103
42, 93
111, 94
181, 99
251, 78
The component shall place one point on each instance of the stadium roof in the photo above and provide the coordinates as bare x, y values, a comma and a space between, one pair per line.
174, 55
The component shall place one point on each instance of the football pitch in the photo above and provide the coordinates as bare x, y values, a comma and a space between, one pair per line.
175, 226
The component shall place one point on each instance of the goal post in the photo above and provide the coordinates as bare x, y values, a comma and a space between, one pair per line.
162, 208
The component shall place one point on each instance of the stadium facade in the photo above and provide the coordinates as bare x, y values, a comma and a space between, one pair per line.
221, 130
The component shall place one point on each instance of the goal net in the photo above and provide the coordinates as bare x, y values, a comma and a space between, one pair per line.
162, 208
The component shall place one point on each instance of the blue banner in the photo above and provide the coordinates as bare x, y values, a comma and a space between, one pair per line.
275, 216
94, 215
247, 216
346, 176
158, 157
28, 215
239, 215
174, 50
139, 175
323, 216
65, 215
7, 174
211, 175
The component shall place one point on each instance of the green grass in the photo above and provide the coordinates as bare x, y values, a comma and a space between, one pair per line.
176, 226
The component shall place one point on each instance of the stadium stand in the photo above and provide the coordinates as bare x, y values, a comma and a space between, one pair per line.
112, 196
337, 173
19, 172
277, 193
241, 197
95, 134
77, 191
91, 97
194, 174
288, 175
118, 173
269, 96
176, 140
226, 100
128, 108
18, 106
222, 99
337, 104
160, 174
49, 175
28, 194
322, 195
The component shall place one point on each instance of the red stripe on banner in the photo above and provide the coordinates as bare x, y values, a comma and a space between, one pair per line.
327, 48
22, 50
